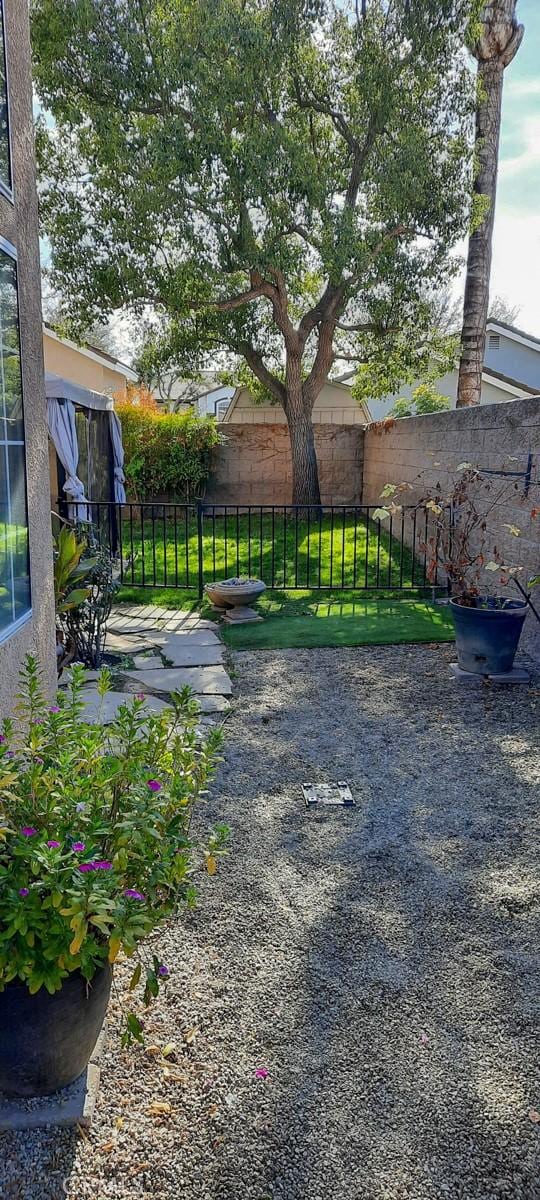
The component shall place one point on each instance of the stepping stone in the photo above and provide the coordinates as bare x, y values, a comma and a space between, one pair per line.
213, 704
147, 662
187, 637
101, 711
192, 655
213, 679
127, 643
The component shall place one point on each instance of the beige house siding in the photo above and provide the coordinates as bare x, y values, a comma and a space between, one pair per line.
334, 406
82, 366
19, 226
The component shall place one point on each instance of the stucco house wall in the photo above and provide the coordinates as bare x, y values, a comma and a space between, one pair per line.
19, 227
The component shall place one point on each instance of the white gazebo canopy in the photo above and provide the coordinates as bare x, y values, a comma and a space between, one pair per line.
62, 399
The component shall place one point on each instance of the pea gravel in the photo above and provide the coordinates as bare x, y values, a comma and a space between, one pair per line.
381, 963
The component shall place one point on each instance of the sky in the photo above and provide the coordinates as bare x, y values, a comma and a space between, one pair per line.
516, 242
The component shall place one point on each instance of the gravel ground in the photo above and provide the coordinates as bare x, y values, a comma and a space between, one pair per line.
381, 964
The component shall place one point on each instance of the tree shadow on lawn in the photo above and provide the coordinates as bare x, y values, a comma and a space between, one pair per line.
402, 1037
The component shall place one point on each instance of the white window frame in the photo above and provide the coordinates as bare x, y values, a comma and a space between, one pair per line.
7, 248
5, 188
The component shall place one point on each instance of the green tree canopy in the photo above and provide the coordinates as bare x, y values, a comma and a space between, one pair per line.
277, 180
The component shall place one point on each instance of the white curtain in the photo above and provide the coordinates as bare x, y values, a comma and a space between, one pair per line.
61, 421
118, 453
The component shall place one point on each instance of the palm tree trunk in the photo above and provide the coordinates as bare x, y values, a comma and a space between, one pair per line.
497, 46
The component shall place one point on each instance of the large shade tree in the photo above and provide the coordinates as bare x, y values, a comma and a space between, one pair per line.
497, 41
277, 180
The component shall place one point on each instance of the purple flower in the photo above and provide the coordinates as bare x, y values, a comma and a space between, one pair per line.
154, 785
140, 696
9, 753
261, 1073
78, 847
28, 831
24, 891
95, 866
54, 708
2, 739
163, 970
37, 721
132, 894
80, 807
38, 759
53, 845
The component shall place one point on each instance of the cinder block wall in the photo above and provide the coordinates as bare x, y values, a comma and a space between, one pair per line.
487, 436
253, 466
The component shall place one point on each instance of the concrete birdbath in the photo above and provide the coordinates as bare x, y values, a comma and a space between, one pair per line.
233, 597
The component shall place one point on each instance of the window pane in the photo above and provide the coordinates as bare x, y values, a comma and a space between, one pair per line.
6, 585
19, 530
10, 359
14, 562
5, 165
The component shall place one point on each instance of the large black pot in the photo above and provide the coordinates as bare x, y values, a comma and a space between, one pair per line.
487, 638
46, 1041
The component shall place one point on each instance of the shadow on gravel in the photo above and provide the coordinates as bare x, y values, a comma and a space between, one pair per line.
410, 1059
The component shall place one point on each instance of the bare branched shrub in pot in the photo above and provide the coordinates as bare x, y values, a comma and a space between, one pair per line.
466, 547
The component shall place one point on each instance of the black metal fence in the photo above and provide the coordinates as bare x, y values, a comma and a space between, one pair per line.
292, 547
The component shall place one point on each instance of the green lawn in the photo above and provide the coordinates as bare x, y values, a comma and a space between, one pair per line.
322, 552
357, 622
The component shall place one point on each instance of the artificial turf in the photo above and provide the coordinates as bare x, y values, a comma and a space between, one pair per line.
364, 622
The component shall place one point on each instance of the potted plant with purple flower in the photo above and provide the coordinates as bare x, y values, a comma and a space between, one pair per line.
95, 853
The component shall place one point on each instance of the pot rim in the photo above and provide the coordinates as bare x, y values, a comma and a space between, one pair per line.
518, 607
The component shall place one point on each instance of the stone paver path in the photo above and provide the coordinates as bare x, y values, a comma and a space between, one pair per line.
166, 650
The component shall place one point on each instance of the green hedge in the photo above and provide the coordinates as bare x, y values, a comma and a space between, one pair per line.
166, 454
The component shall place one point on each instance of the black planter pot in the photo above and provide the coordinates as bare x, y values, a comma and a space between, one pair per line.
487, 638
46, 1041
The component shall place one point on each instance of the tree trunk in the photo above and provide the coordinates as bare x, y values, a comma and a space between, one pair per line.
305, 472
499, 43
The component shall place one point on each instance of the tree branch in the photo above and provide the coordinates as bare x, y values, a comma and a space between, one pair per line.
256, 363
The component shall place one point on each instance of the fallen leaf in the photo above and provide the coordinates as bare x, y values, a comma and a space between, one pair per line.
534, 1116
107, 1147
174, 1076
119, 1122
213, 1111
137, 1170
189, 1036
152, 1050
159, 1108
211, 864
168, 1049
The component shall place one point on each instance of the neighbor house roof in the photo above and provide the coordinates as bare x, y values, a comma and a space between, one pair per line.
92, 352
506, 383
515, 334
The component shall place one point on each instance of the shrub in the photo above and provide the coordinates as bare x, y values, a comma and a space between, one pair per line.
425, 399
166, 454
95, 848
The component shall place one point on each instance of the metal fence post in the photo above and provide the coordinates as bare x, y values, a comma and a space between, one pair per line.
200, 560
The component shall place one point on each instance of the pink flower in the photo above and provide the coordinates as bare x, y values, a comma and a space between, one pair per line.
53, 845
261, 1073
78, 847
28, 831
95, 866
24, 891
424, 1039
2, 739
132, 894
154, 785
140, 696
54, 708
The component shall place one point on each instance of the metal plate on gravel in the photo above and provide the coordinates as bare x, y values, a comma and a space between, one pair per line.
335, 794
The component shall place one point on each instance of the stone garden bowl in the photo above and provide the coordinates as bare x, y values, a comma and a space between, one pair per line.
234, 598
